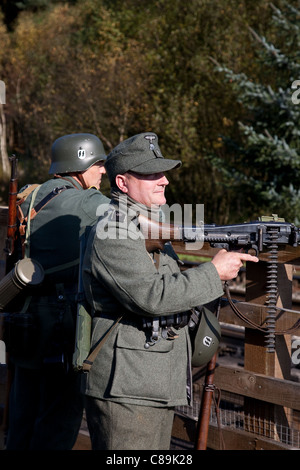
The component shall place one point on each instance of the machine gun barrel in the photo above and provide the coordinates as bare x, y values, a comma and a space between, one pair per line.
252, 235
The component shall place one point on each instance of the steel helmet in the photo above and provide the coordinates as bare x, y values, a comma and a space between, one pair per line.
207, 338
75, 152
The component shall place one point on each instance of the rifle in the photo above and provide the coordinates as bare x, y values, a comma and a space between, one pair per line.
207, 396
9, 250
12, 214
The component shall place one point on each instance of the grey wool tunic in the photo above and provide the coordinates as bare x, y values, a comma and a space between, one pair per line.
121, 277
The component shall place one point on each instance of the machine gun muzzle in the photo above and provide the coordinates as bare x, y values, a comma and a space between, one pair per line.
26, 273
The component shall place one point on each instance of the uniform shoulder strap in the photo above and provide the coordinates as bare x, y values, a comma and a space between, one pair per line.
26, 190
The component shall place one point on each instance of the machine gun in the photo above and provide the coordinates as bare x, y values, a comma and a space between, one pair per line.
268, 234
257, 235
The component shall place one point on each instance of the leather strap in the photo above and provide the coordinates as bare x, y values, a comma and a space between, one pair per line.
88, 362
55, 192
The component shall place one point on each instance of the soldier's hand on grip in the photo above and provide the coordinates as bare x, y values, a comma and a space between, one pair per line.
228, 263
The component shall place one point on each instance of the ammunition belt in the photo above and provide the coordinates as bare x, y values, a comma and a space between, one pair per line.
178, 320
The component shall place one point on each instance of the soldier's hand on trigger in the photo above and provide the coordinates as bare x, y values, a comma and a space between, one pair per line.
228, 263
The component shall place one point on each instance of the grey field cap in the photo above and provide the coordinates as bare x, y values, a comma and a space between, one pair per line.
140, 154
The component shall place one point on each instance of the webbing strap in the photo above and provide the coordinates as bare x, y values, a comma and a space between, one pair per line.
60, 267
88, 362
33, 211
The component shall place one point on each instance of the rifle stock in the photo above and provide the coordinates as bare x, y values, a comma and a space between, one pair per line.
206, 401
158, 233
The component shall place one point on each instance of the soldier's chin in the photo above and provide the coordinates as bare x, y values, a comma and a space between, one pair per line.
160, 200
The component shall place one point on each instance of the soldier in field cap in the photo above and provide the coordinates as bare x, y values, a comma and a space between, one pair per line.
144, 301
140, 154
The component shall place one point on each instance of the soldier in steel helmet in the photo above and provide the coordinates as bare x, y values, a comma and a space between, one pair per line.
143, 302
45, 401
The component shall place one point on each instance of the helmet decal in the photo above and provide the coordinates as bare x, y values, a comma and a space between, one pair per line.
81, 153
207, 340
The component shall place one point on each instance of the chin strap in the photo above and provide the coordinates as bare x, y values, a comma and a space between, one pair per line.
82, 181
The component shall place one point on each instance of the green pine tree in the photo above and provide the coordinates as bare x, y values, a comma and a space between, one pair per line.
265, 162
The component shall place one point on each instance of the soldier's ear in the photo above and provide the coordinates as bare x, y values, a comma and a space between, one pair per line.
121, 182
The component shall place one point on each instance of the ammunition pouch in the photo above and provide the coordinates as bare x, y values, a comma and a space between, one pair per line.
204, 329
164, 326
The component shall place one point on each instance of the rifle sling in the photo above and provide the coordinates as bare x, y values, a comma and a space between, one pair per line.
88, 362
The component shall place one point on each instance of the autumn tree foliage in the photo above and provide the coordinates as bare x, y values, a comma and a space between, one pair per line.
119, 67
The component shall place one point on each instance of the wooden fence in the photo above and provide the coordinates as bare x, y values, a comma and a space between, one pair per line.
259, 399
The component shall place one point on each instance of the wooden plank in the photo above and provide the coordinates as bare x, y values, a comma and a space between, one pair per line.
285, 318
269, 389
237, 439
83, 442
257, 359
184, 429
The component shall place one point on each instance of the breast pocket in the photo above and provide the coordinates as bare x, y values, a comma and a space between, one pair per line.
142, 374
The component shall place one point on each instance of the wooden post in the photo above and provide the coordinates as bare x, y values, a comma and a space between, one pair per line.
262, 418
